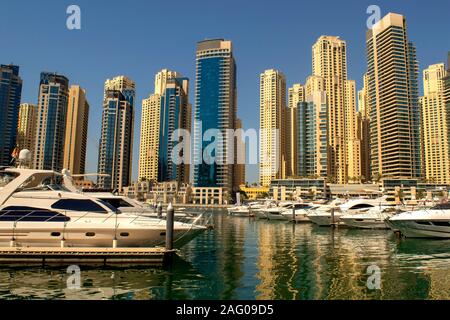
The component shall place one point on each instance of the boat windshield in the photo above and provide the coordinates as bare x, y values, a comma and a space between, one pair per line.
7, 177
441, 206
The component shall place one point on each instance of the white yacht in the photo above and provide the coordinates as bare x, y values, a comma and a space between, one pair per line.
367, 213
36, 209
298, 212
373, 218
323, 215
430, 223
276, 212
128, 205
239, 211
360, 212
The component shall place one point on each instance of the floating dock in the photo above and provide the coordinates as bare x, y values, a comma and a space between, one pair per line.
157, 256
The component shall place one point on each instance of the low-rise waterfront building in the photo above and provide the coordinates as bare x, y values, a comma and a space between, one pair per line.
291, 189
208, 195
255, 192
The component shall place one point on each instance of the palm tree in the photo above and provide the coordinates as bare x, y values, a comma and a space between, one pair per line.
377, 177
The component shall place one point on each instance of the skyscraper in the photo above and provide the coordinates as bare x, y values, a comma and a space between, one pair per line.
164, 112
393, 99
150, 133
26, 127
10, 94
239, 169
435, 125
116, 140
215, 108
76, 131
161, 79
312, 134
272, 152
329, 61
363, 130
296, 94
51, 122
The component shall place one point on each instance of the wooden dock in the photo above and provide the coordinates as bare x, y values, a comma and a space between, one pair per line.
157, 256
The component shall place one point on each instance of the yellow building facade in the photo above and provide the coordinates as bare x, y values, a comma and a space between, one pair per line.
329, 61
435, 125
76, 131
272, 126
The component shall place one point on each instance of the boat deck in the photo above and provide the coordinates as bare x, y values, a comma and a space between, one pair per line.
156, 256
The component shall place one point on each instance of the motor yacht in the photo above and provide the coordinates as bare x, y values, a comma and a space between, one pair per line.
239, 211
372, 218
36, 209
276, 212
298, 212
323, 216
427, 223
367, 213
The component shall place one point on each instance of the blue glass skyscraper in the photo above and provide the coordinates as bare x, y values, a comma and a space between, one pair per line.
116, 140
10, 94
312, 135
51, 121
215, 108
175, 113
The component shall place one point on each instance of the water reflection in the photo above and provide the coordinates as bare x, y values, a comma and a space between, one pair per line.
250, 259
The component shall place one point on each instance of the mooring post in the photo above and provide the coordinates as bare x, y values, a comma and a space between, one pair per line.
293, 214
159, 210
169, 226
332, 218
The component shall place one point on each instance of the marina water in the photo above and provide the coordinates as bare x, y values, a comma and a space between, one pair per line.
246, 258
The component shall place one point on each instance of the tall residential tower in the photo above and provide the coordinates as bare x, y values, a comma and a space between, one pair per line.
215, 109
393, 100
76, 131
26, 127
163, 113
435, 125
272, 111
116, 140
10, 94
329, 61
51, 122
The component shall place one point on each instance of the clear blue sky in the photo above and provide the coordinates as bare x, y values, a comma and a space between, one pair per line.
138, 38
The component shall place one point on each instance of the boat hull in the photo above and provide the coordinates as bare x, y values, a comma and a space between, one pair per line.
51, 235
364, 223
301, 216
324, 220
412, 229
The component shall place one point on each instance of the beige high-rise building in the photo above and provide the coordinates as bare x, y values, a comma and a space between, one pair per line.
150, 122
352, 139
161, 80
394, 101
162, 115
296, 94
76, 131
149, 147
273, 126
239, 170
363, 127
329, 61
435, 125
26, 126
120, 83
